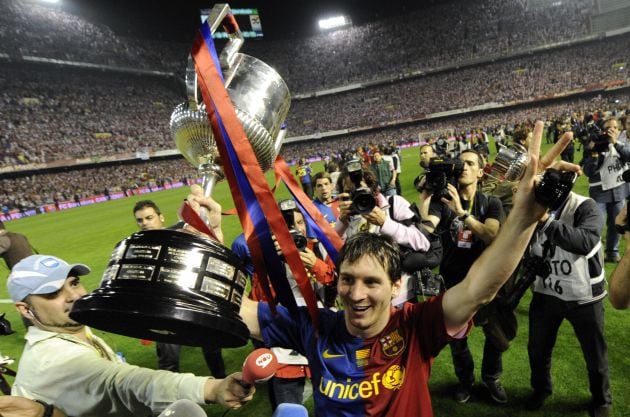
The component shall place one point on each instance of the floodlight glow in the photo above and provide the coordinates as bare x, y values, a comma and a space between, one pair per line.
50, 1
332, 22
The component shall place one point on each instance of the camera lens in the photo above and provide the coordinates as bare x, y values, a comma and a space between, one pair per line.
299, 239
554, 187
363, 202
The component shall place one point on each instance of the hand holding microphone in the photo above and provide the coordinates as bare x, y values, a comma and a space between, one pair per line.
237, 389
259, 366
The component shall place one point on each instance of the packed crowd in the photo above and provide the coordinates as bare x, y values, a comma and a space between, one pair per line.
68, 114
57, 115
520, 79
36, 190
419, 40
68, 37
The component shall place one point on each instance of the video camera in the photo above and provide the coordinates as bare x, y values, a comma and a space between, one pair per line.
427, 283
362, 199
288, 207
440, 173
441, 146
594, 133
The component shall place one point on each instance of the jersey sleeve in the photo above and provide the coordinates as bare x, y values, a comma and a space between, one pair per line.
284, 330
428, 317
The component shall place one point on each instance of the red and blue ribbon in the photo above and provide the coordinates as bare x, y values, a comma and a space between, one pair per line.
258, 211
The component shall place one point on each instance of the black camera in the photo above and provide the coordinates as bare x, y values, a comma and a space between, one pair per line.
532, 266
440, 173
5, 326
427, 283
362, 199
554, 187
595, 134
441, 146
288, 207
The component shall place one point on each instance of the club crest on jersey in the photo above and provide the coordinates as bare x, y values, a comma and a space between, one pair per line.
392, 344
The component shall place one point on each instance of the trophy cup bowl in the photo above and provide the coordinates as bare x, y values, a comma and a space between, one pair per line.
171, 286
510, 163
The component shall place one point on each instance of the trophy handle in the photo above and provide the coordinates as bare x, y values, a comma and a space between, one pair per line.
220, 13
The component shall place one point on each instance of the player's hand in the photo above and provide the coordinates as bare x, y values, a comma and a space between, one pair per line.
212, 209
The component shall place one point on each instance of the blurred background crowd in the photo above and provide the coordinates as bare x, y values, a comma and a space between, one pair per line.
79, 94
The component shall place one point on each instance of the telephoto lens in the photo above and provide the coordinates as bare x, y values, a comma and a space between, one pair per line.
299, 239
363, 201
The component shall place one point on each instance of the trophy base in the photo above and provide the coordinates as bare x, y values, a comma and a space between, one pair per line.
171, 287
148, 313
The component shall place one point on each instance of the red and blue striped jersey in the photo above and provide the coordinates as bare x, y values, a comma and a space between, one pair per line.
386, 375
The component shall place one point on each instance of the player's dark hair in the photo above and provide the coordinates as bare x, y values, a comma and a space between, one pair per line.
146, 204
380, 247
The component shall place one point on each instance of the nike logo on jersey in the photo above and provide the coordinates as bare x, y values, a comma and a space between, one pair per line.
328, 355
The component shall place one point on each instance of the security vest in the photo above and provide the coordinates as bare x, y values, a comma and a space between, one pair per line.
570, 279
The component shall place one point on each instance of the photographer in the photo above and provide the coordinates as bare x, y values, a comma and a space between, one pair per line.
569, 241
605, 157
363, 208
619, 283
426, 153
468, 221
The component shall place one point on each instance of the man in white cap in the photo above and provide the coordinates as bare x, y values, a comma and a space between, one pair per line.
64, 364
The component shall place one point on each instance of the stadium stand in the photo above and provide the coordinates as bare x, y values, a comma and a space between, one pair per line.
81, 94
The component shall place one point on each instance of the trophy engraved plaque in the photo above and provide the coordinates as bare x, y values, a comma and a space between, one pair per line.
171, 286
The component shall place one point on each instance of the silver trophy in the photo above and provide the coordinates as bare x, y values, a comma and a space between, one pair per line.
510, 163
168, 285
259, 95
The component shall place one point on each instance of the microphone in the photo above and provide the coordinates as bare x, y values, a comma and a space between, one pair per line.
259, 366
290, 410
626, 175
183, 408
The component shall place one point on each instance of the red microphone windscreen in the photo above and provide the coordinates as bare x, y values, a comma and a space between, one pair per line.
260, 365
